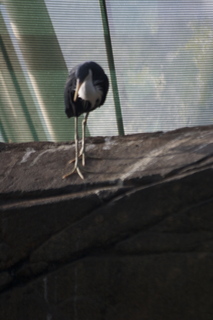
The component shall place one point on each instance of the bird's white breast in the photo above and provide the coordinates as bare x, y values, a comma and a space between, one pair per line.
89, 92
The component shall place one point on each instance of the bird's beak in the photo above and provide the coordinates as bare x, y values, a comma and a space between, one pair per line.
78, 85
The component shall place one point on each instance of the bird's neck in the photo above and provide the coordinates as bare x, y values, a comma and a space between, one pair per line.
89, 92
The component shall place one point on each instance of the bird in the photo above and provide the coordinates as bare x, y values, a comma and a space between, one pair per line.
85, 90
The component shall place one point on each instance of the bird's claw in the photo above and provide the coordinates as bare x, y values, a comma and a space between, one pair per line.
76, 168
71, 161
83, 159
81, 155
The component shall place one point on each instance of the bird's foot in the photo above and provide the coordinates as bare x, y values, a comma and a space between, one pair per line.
72, 160
75, 169
83, 159
81, 155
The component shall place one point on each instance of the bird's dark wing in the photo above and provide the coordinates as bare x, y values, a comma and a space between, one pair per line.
72, 108
105, 87
100, 79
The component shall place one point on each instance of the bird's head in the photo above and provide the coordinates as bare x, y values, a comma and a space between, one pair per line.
82, 72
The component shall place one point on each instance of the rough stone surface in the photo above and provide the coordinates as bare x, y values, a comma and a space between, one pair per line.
134, 240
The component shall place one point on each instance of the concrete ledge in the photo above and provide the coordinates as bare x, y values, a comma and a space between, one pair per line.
134, 240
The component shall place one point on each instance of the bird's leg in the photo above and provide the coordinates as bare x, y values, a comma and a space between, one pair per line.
76, 168
82, 151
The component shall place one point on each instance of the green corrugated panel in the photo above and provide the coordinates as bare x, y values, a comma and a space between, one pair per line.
46, 72
15, 117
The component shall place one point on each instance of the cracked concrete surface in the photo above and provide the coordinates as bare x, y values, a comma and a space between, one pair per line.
134, 240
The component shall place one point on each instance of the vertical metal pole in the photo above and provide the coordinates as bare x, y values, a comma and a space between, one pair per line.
110, 58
